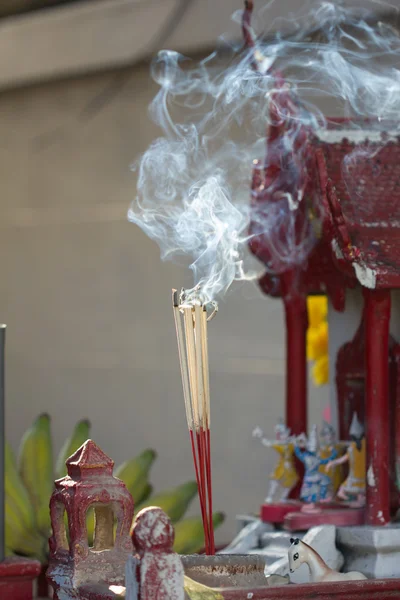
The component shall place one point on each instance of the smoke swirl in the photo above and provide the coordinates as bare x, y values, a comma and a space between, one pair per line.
193, 189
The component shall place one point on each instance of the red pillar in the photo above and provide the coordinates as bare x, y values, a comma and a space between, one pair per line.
296, 361
377, 417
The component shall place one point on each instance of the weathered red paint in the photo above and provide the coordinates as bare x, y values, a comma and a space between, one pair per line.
276, 512
350, 381
89, 483
42, 583
160, 573
356, 245
161, 569
377, 319
296, 363
351, 385
372, 589
395, 425
339, 516
97, 592
16, 578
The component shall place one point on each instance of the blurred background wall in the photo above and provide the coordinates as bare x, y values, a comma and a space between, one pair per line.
83, 292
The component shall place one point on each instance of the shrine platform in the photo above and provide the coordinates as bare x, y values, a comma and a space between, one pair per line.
275, 513
341, 516
373, 589
291, 516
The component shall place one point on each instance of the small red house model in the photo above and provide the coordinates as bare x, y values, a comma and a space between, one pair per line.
74, 562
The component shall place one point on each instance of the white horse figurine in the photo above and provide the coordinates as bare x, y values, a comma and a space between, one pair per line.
300, 553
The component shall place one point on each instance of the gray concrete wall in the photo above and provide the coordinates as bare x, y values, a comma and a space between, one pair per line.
87, 300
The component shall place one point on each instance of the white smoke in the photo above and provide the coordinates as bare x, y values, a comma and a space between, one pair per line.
193, 190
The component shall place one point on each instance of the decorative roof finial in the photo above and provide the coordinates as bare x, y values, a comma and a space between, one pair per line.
356, 428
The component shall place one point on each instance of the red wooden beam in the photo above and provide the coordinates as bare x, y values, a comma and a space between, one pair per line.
16, 577
372, 589
295, 303
377, 318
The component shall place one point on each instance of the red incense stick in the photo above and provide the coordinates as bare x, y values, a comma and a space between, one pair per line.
200, 486
193, 356
209, 490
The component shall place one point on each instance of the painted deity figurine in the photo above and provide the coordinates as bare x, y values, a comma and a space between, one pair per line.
353, 488
284, 477
311, 490
330, 478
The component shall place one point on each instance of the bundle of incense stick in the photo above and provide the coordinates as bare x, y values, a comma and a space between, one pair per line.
191, 318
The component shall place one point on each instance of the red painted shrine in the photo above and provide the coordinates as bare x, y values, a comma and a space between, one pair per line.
89, 484
78, 571
345, 233
330, 200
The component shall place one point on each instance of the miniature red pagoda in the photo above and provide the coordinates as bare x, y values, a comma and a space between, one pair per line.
349, 254
345, 235
337, 191
89, 484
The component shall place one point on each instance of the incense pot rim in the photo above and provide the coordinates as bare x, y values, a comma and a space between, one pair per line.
239, 571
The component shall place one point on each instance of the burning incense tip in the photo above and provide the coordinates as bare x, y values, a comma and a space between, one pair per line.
191, 320
175, 300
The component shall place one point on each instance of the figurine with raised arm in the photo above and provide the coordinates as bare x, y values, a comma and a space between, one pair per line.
353, 488
284, 477
330, 478
310, 492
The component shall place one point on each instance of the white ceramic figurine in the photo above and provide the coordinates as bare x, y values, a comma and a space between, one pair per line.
300, 553
284, 477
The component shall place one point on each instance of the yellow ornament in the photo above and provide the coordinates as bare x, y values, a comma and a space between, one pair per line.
317, 338
320, 371
317, 307
317, 341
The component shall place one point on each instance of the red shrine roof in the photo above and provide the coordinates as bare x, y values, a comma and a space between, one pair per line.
363, 201
353, 183
88, 458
